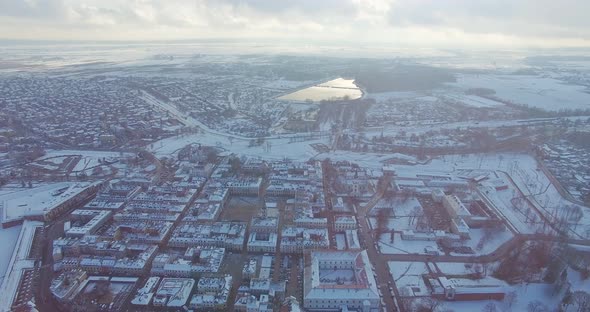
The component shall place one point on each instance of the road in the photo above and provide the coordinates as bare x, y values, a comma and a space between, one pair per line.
382, 275
191, 122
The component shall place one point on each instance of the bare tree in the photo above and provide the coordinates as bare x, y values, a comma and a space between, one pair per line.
429, 305
510, 298
567, 299
536, 306
582, 300
406, 303
382, 220
489, 307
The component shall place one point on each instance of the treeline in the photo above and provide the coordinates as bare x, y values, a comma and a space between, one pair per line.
535, 112
403, 78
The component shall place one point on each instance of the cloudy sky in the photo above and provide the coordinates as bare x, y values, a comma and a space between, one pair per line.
415, 23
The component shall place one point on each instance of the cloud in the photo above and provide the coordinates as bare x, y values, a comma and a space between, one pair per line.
40, 9
538, 18
448, 23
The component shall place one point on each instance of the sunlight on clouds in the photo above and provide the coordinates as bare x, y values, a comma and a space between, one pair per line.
426, 23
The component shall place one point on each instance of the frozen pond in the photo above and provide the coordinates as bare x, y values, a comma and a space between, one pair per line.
337, 89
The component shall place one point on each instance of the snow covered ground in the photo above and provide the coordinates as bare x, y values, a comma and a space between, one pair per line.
525, 294
487, 245
525, 173
408, 277
399, 207
281, 84
367, 160
521, 168
535, 91
452, 268
473, 100
403, 214
88, 159
422, 127
399, 95
396, 223
280, 148
409, 281
83, 153
400, 246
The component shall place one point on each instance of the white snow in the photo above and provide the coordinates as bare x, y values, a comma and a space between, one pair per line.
8, 239
408, 277
545, 93
280, 148
18, 262
401, 246
333, 89
38, 200
531, 181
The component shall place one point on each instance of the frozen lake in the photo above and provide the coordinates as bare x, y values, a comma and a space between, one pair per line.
333, 90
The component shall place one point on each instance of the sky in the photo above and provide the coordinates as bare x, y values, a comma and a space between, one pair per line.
404, 23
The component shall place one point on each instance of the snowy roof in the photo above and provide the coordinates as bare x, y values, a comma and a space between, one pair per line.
39, 200
177, 290
145, 294
358, 272
18, 263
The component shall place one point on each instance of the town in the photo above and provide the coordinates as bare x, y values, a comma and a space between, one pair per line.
282, 184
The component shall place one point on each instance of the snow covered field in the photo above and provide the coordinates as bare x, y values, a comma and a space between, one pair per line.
473, 100
400, 95
540, 92
367, 160
546, 93
280, 147
88, 159
282, 84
